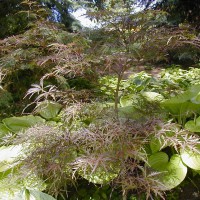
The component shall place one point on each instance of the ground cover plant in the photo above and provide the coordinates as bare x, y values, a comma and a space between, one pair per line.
81, 141
84, 123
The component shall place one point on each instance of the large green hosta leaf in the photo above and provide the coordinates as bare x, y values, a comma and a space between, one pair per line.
158, 160
48, 109
191, 158
193, 126
156, 144
16, 124
172, 172
184, 104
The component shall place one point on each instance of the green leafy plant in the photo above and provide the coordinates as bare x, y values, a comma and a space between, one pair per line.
184, 105
16, 124
172, 172
193, 125
191, 157
33, 194
48, 109
9, 154
119, 140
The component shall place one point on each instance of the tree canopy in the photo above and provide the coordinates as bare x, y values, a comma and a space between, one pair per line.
14, 21
180, 11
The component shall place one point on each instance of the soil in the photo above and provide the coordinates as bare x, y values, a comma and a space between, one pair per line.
191, 191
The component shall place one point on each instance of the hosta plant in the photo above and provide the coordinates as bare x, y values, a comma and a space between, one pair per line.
184, 105
193, 125
170, 172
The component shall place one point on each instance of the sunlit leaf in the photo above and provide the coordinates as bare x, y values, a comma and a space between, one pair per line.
183, 105
191, 158
126, 100
158, 160
172, 173
193, 125
153, 96
8, 155
100, 175
29, 194
155, 145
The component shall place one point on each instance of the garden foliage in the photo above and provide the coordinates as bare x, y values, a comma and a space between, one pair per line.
74, 125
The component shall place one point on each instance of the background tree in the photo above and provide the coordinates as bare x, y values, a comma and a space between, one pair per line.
45, 48
11, 21
180, 11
